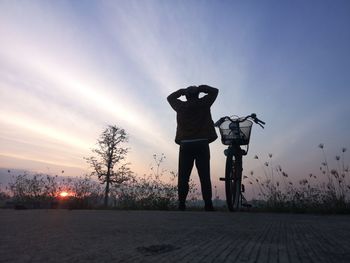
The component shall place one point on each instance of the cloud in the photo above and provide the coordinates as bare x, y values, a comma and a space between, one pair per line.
44, 160
76, 81
64, 77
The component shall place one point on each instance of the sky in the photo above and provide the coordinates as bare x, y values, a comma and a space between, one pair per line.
70, 68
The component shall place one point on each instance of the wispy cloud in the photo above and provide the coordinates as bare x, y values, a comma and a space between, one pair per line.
69, 68
51, 88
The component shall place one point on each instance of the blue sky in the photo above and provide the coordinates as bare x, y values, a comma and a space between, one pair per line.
69, 68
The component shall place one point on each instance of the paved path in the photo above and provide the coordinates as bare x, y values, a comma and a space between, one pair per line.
155, 236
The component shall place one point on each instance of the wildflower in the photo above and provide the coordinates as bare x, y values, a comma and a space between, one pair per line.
284, 174
290, 183
257, 180
251, 172
266, 164
337, 157
250, 182
256, 157
321, 145
278, 183
335, 173
303, 182
270, 155
343, 150
310, 175
324, 172
324, 163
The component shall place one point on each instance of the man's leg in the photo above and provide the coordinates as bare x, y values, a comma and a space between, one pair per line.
186, 160
203, 167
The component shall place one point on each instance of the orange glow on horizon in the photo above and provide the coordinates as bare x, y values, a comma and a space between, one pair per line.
64, 194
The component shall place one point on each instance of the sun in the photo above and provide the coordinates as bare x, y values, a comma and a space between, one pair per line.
64, 194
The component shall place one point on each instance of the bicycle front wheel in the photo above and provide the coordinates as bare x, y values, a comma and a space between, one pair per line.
233, 182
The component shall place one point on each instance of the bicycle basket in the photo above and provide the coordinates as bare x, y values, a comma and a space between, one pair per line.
235, 131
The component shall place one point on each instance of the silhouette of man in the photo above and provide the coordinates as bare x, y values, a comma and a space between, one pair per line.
195, 130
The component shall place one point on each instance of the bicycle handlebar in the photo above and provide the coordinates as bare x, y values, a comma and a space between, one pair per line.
257, 121
251, 116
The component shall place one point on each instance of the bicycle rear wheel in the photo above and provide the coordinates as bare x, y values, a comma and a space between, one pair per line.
233, 181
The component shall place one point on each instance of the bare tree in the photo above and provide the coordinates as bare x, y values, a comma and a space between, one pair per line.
109, 161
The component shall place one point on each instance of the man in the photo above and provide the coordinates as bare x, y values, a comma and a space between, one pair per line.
195, 130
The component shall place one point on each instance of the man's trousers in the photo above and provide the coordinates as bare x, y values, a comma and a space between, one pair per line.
198, 153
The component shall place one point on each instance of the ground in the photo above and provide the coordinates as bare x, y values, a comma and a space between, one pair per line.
157, 236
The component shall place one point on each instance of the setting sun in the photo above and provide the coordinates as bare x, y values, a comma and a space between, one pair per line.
64, 194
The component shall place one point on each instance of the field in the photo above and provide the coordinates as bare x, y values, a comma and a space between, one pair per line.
159, 236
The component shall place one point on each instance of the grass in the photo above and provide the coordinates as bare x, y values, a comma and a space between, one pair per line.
326, 192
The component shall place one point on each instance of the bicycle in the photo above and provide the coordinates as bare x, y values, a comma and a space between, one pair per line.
235, 132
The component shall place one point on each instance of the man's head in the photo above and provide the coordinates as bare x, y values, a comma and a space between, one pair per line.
192, 93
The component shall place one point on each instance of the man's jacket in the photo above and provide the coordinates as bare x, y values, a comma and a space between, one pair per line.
194, 119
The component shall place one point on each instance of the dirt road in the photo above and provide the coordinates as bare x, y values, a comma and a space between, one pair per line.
155, 236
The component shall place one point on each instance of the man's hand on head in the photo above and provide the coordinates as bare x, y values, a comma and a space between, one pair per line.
207, 89
205, 86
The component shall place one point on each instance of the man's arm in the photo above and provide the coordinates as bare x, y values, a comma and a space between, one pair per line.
211, 92
173, 98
